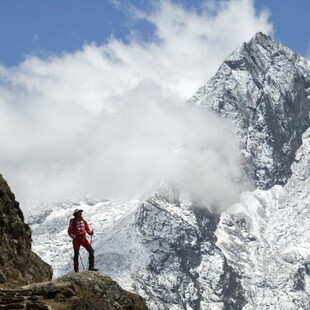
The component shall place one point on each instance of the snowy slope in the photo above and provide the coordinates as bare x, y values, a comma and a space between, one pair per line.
51, 239
266, 238
178, 254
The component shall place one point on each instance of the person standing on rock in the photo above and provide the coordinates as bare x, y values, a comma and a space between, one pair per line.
77, 230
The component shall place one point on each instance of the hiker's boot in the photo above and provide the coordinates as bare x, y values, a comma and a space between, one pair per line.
93, 269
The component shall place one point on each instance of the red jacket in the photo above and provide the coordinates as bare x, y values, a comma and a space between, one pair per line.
78, 227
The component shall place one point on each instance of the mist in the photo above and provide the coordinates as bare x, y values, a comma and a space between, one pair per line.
110, 120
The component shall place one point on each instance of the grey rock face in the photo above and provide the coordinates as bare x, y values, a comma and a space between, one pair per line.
18, 263
264, 87
186, 269
95, 291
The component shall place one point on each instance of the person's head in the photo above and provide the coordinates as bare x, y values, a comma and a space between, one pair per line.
77, 212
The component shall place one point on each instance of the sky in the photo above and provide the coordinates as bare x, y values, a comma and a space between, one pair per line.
92, 93
53, 27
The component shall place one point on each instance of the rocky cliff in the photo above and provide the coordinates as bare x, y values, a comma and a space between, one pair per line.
18, 263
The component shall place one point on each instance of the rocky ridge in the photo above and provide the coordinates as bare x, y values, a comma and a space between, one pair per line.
87, 290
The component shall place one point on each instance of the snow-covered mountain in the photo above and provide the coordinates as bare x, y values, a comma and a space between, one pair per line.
265, 88
176, 252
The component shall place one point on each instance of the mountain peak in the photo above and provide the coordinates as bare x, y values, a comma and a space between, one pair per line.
265, 88
259, 54
261, 37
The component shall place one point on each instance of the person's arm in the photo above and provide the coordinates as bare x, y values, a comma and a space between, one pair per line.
70, 229
88, 229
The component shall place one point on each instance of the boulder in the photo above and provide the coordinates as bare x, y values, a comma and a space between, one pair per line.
86, 290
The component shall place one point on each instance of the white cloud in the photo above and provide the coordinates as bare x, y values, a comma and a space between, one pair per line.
107, 119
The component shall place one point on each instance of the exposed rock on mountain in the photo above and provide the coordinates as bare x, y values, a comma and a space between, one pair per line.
86, 290
186, 269
18, 264
266, 238
265, 88
82, 291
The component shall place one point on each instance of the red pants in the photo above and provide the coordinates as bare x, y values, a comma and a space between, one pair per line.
77, 243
